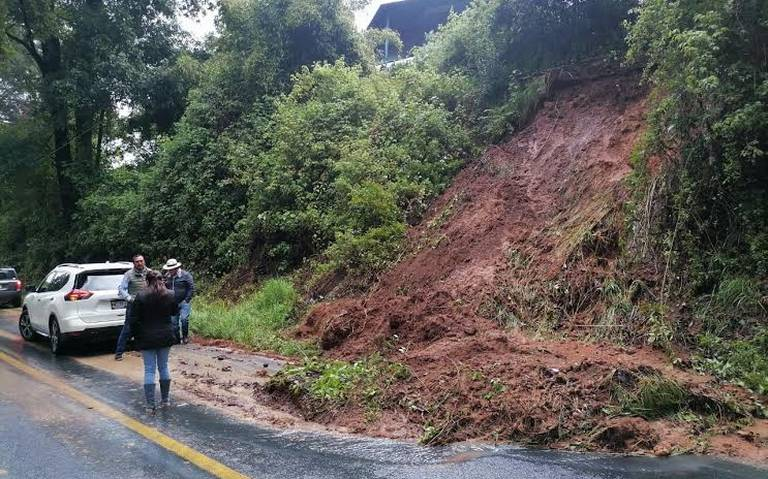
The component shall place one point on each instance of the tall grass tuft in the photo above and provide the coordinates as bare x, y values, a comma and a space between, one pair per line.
742, 294
653, 397
259, 321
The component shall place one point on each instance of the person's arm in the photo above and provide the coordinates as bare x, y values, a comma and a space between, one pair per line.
122, 290
190, 289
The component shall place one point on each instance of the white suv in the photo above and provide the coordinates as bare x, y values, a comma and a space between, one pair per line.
75, 302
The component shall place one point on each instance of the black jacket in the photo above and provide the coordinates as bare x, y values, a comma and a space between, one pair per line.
151, 320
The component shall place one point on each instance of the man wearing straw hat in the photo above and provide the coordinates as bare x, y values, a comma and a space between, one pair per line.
182, 285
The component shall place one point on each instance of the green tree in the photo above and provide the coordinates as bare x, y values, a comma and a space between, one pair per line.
88, 55
198, 186
30, 228
376, 39
354, 156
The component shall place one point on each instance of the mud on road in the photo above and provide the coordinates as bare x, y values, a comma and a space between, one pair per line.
215, 373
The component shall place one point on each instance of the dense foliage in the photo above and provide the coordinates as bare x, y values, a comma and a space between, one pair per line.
353, 157
713, 126
86, 57
275, 141
498, 42
707, 206
505, 47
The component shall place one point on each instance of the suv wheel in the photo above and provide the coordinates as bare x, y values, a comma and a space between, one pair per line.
57, 341
25, 327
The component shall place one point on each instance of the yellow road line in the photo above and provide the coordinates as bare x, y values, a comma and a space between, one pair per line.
185, 452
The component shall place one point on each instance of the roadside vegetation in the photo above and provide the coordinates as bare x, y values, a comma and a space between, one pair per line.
700, 178
258, 321
321, 386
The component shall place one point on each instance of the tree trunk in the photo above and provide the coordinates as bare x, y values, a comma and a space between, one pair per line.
51, 70
100, 137
85, 123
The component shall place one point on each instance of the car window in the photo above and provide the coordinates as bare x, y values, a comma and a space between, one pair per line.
6, 274
59, 281
46, 283
54, 281
99, 280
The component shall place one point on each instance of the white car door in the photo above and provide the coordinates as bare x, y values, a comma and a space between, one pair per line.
47, 295
52, 300
35, 306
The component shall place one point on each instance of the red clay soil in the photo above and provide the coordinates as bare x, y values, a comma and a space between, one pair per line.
505, 235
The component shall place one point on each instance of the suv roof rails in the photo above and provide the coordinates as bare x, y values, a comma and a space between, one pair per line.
70, 265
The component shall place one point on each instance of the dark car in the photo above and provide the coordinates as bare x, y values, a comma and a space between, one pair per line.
10, 287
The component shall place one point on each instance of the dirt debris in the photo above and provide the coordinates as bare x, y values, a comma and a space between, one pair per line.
491, 308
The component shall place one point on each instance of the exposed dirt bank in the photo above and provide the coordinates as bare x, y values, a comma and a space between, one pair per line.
516, 249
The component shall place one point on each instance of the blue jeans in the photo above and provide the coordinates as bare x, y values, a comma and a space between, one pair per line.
125, 333
185, 309
155, 359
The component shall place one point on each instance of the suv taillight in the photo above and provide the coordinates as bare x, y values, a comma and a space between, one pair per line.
77, 295
18, 285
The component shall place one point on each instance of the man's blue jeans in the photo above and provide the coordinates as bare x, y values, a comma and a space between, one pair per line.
185, 309
155, 359
125, 333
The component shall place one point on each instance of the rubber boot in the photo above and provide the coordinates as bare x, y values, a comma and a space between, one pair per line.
165, 389
149, 393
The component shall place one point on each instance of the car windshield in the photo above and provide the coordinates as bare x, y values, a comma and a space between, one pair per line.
100, 280
6, 274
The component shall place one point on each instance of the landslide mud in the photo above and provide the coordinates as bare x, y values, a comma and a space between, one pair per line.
506, 234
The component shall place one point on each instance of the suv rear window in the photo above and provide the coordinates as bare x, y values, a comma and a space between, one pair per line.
99, 280
6, 274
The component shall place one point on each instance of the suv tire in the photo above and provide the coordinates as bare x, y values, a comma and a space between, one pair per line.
25, 327
56, 340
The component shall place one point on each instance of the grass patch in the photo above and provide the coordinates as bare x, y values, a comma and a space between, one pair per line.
332, 384
739, 294
652, 397
258, 321
734, 344
743, 361
619, 320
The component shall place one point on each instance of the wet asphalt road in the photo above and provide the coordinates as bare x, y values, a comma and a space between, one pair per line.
44, 434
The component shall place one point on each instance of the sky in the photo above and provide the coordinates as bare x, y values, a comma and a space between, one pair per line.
203, 24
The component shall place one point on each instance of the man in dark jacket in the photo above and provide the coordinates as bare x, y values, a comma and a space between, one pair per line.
182, 285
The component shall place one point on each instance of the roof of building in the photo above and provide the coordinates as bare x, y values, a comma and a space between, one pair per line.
413, 19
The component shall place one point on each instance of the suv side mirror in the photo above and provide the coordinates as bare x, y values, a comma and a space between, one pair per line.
30, 288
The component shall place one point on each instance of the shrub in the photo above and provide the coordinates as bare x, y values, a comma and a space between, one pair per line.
328, 384
709, 126
743, 361
354, 156
495, 41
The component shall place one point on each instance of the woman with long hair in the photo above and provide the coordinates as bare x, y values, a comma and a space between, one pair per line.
153, 333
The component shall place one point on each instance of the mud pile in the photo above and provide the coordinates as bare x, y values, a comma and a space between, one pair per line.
514, 215
517, 246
